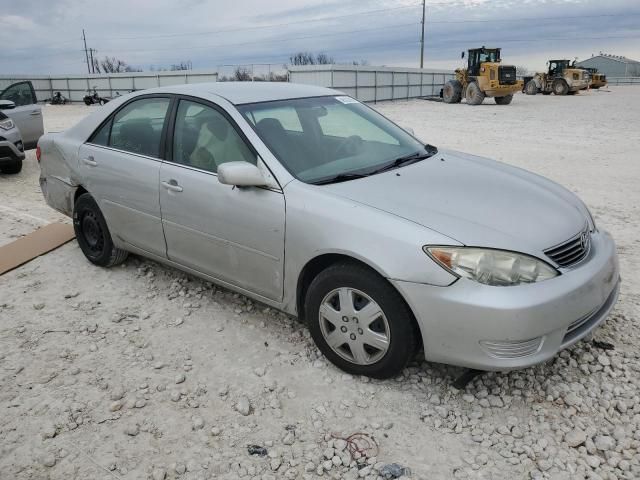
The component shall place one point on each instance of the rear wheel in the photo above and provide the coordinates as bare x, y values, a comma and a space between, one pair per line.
506, 100
359, 321
452, 92
12, 168
560, 87
474, 95
93, 234
531, 88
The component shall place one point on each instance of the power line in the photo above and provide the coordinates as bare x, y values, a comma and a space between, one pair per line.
557, 17
276, 40
260, 27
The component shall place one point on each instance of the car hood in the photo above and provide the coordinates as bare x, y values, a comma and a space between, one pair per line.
475, 201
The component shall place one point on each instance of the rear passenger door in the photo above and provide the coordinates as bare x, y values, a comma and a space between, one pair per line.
120, 165
27, 114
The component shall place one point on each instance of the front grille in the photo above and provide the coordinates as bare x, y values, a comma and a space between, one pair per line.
571, 251
511, 349
507, 75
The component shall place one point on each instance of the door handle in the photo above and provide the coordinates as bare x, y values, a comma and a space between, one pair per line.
90, 161
35, 112
172, 185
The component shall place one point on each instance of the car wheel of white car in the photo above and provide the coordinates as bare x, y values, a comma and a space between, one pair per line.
360, 322
93, 234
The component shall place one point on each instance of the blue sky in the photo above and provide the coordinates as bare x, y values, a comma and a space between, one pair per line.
210, 33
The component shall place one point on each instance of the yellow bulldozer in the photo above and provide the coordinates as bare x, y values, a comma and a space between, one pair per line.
483, 77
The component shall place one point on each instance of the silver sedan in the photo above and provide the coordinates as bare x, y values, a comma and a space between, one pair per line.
309, 201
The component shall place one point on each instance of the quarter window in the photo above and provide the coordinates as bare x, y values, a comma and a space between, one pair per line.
137, 128
204, 138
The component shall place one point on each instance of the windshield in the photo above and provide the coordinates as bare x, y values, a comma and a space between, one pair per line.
322, 138
490, 56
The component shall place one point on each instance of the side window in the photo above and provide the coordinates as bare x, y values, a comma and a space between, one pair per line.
137, 128
19, 93
204, 138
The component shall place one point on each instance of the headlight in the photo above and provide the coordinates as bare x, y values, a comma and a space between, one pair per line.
7, 124
491, 267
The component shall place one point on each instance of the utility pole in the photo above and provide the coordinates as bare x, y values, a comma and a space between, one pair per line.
424, 11
93, 69
85, 51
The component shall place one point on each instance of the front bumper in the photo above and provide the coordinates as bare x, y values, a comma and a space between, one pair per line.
9, 152
502, 328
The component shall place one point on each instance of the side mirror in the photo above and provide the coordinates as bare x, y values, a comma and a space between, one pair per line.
241, 174
7, 105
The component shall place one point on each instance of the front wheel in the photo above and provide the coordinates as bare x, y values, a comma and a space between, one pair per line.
531, 88
560, 87
506, 100
93, 234
360, 322
474, 95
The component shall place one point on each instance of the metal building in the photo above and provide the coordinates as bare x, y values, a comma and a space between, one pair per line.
612, 65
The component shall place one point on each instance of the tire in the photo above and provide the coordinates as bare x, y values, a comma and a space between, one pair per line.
531, 88
87, 101
560, 87
474, 95
93, 234
506, 100
546, 93
12, 168
393, 330
595, 87
452, 92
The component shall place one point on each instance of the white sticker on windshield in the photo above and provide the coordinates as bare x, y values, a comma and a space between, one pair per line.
346, 100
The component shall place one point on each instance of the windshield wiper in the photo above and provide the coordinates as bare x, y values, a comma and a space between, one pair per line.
430, 150
343, 177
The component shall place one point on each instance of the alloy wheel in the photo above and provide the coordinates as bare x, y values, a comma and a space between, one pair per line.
354, 326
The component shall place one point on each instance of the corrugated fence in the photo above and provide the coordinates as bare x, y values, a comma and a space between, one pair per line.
75, 87
368, 84
373, 84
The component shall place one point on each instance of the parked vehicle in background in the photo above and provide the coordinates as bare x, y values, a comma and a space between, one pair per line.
485, 76
313, 203
598, 80
11, 146
19, 102
93, 98
58, 99
562, 78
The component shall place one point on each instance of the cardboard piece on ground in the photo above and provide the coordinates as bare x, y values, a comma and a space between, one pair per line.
33, 245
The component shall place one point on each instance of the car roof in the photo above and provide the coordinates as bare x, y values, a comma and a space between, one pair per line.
239, 93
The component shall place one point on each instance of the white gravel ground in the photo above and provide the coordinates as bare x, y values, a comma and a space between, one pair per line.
144, 372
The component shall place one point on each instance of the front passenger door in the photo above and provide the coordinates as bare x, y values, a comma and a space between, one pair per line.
233, 234
27, 114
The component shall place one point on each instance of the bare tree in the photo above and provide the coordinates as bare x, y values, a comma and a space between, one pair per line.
183, 65
308, 58
115, 65
242, 74
522, 71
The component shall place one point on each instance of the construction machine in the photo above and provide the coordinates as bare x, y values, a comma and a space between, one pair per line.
562, 78
597, 79
484, 76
